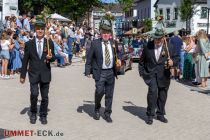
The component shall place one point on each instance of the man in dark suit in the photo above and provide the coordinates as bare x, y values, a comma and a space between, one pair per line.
154, 67
101, 63
37, 58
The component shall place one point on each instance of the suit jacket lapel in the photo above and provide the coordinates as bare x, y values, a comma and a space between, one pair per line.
44, 45
153, 53
34, 47
162, 53
113, 51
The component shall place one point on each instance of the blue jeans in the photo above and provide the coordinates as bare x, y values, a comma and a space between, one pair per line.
60, 59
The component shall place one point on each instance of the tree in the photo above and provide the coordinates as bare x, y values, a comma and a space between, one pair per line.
125, 4
187, 10
70, 8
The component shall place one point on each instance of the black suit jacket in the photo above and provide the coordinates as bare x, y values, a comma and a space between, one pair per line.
39, 70
94, 60
150, 67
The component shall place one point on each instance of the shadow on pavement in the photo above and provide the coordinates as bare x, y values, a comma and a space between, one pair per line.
88, 107
27, 110
194, 87
3, 135
135, 110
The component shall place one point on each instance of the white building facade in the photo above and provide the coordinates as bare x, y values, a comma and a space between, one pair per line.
170, 10
117, 23
142, 9
8, 8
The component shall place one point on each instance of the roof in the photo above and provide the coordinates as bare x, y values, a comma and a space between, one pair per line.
200, 1
115, 8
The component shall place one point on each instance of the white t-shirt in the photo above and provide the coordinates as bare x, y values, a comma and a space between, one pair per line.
5, 45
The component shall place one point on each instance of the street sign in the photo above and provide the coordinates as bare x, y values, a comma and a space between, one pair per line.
208, 3
134, 30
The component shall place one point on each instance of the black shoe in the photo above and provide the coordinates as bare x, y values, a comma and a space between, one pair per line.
61, 66
33, 118
149, 120
108, 118
96, 115
162, 119
43, 120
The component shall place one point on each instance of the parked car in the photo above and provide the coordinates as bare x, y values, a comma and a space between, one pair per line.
125, 56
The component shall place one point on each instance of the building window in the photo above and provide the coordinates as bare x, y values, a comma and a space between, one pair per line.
175, 13
161, 11
145, 12
203, 12
141, 14
168, 14
148, 12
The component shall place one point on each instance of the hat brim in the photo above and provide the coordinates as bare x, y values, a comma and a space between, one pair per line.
157, 36
40, 25
105, 29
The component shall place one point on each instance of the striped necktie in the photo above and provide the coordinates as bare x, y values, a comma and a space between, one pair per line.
39, 49
107, 55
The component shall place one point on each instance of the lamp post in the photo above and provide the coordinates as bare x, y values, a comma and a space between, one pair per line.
208, 21
208, 8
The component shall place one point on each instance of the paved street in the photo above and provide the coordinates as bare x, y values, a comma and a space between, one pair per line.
71, 110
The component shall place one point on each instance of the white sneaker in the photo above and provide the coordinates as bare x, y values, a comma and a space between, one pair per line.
12, 76
6, 77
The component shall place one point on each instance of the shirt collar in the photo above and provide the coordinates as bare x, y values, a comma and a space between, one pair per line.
157, 47
37, 40
106, 42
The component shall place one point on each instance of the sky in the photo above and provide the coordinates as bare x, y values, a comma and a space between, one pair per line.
108, 1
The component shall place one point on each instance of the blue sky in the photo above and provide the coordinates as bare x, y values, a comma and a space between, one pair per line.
108, 1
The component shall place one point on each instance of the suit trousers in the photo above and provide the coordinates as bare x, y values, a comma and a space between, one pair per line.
105, 85
44, 89
156, 98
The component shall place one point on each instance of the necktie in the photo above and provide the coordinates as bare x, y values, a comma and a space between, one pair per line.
107, 55
39, 49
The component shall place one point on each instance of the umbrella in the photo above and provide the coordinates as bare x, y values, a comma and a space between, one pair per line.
58, 17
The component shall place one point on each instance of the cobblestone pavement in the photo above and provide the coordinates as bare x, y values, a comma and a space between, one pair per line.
71, 110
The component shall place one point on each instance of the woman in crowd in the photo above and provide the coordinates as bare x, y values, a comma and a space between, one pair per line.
77, 42
189, 47
203, 50
5, 55
16, 63
58, 52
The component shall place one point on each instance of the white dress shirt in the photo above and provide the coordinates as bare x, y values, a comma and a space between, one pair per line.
158, 51
110, 53
42, 44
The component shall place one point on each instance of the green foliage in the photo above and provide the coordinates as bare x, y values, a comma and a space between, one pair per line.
71, 8
46, 12
187, 9
147, 24
126, 4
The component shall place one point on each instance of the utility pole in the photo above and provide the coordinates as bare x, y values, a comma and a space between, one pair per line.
208, 8
208, 21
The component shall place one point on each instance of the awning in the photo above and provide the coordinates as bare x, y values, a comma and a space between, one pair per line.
168, 31
58, 17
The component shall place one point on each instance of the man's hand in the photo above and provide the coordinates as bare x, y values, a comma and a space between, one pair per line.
170, 62
49, 57
22, 80
89, 76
